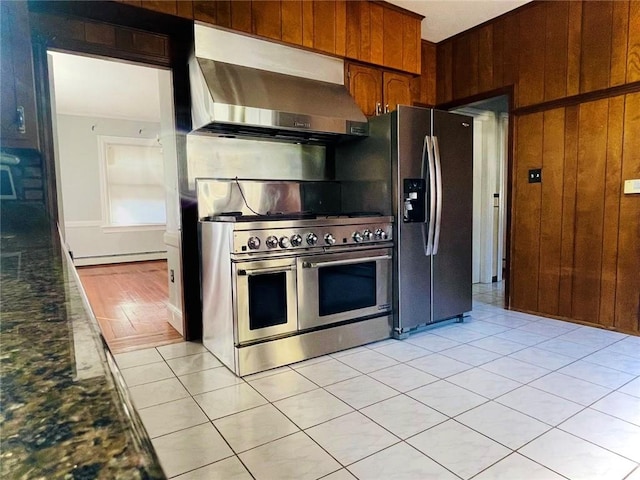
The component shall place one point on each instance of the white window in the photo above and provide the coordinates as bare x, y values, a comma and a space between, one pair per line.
133, 182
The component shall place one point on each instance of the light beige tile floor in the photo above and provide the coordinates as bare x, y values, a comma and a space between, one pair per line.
503, 395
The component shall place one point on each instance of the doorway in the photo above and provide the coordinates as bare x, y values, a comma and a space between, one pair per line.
117, 187
490, 169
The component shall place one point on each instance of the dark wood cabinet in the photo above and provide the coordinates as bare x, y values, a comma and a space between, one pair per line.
378, 91
18, 120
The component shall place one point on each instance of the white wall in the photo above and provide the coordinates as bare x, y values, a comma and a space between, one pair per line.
84, 226
172, 237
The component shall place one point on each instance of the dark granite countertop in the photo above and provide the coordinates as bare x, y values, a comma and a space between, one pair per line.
64, 411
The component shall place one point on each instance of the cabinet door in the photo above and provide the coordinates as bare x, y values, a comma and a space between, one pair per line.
365, 86
396, 90
17, 130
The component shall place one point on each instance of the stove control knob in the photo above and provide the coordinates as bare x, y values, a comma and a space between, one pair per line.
380, 234
272, 242
296, 240
357, 237
253, 243
284, 242
329, 240
312, 239
367, 235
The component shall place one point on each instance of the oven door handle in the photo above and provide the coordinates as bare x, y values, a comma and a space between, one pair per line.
260, 271
349, 261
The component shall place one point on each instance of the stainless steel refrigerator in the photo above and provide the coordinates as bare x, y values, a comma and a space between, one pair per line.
417, 164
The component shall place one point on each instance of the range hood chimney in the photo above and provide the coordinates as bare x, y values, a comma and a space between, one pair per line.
229, 98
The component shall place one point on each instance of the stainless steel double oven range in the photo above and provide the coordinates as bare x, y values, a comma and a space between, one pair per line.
282, 288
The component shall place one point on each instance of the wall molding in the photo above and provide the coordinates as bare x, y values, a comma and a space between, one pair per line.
578, 99
124, 258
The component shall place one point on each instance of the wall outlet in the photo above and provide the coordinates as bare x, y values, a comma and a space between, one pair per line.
535, 175
632, 186
172, 276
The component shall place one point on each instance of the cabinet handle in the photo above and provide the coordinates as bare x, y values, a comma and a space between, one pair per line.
386, 108
378, 108
22, 127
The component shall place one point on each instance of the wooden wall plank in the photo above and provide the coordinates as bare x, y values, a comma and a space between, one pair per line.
185, 9
444, 72
531, 58
392, 31
462, 74
241, 15
267, 19
341, 28
205, 11
526, 213
595, 60
223, 13
627, 316
163, 6
619, 43
568, 210
474, 65
511, 51
353, 30
292, 22
485, 58
307, 24
574, 48
428, 68
611, 208
411, 44
365, 31
555, 64
498, 54
324, 26
551, 211
592, 159
377, 33
633, 49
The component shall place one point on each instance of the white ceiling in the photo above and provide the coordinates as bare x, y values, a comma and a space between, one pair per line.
102, 88
445, 18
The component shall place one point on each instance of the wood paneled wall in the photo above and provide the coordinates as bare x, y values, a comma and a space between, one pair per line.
576, 236
547, 50
575, 70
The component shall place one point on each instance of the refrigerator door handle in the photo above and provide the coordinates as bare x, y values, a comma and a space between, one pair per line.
428, 229
439, 191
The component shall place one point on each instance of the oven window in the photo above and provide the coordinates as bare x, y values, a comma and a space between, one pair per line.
343, 288
267, 300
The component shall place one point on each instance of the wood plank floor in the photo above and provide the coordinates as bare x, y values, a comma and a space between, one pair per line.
130, 302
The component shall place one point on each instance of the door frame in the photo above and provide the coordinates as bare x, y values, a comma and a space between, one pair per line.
509, 93
179, 35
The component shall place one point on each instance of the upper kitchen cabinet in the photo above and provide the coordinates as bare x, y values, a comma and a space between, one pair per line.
374, 32
18, 121
377, 91
383, 34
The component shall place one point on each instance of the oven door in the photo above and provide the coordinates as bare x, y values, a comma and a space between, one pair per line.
265, 298
343, 286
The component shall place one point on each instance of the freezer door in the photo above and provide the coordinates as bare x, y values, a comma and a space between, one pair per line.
453, 141
413, 266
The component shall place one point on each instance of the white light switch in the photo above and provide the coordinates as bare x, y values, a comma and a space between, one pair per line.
632, 186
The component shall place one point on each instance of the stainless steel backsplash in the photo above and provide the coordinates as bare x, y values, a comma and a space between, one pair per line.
218, 195
210, 156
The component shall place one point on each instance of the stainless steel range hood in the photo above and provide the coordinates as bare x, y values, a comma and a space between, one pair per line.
237, 100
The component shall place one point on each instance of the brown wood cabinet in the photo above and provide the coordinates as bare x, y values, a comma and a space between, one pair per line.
376, 90
18, 120
375, 32
423, 88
